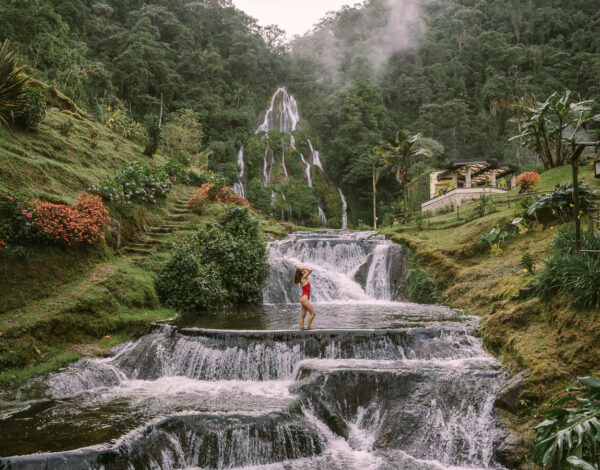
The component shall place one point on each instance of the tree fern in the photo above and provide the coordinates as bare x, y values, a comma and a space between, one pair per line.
12, 83
569, 437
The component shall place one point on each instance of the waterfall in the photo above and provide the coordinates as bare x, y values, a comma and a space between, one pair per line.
287, 109
347, 266
344, 210
238, 188
322, 217
273, 197
316, 159
307, 170
285, 172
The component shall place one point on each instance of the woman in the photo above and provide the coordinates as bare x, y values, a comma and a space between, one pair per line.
301, 277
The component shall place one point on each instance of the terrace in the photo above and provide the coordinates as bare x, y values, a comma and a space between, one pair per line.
465, 180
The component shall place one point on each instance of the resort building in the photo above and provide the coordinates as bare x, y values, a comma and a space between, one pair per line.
465, 180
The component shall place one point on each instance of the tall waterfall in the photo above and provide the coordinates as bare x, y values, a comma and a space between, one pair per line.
282, 113
285, 172
307, 171
322, 217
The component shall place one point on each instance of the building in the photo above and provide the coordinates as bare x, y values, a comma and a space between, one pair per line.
465, 180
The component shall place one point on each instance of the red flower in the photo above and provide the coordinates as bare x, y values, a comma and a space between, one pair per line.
29, 215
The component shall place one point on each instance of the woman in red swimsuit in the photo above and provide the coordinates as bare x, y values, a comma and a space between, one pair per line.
301, 277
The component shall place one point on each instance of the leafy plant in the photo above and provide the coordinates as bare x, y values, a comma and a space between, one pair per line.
420, 287
482, 206
17, 222
220, 265
560, 201
576, 277
32, 108
499, 234
12, 84
528, 262
564, 243
154, 134
122, 124
135, 182
569, 437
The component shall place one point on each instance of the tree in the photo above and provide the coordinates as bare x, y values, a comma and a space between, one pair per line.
545, 126
375, 158
183, 136
401, 152
154, 134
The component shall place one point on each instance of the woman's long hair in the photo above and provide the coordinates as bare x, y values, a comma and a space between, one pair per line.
298, 275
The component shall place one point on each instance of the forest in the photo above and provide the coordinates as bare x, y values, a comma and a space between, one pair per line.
445, 69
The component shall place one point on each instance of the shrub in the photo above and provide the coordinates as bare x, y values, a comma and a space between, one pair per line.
183, 136
577, 277
528, 181
498, 234
18, 224
221, 265
154, 134
32, 108
420, 287
215, 191
83, 223
560, 202
564, 243
528, 262
135, 182
122, 124
569, 437
12, 84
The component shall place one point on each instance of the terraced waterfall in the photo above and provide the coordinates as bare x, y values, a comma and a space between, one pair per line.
380, 384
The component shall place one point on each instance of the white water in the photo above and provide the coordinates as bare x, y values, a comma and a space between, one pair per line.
322, 217
344, 209
238, 188
285, 172
288, 113
307, 171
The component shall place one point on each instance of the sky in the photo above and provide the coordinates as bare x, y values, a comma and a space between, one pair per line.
293, 16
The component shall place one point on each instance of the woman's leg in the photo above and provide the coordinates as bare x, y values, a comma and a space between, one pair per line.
307, 305
302, 315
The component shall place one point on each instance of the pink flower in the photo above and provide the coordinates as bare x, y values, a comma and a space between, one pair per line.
23, 211
29, 215
11, 198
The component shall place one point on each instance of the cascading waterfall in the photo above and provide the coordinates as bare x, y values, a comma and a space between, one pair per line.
316, 158
382, 384
344, 209
285, 172
239, 188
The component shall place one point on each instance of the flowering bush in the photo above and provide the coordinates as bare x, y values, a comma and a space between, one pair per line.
123, 124
528, 180
214, 191
136, 182
82, 223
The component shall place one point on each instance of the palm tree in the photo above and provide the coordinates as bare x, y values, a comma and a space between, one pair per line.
12, 83
401, 151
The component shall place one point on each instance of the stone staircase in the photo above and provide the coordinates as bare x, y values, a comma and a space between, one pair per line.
146, 242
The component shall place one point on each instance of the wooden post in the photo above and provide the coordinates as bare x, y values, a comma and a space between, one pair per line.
577, 151
427, 219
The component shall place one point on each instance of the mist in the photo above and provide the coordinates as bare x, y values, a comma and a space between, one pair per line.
360, 40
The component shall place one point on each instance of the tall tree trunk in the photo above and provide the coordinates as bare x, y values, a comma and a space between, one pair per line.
374, 197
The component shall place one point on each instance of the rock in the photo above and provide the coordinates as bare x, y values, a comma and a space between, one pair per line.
118, 144
510, 451
114, 227
509, 394
54, 109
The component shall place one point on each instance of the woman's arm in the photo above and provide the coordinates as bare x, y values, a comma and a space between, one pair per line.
307, 272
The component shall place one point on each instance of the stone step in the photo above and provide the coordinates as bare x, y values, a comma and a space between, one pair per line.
138, 251
180, 211
175, 217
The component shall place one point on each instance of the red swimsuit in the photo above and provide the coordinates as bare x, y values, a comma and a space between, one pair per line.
306, 290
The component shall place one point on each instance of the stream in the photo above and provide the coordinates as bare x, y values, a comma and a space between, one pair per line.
378, 384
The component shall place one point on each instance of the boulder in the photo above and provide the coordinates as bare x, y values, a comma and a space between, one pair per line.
509, 394
510, 451
114, 227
